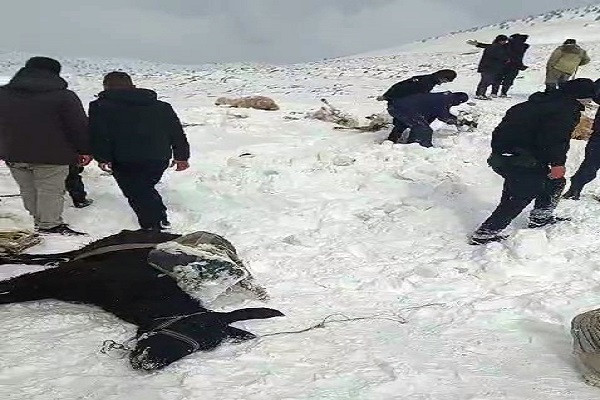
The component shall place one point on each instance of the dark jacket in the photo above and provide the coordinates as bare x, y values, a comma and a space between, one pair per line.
516, 51
416, 84
494, 59
41, 122
538, 130
132, 125
425, 107
595, 137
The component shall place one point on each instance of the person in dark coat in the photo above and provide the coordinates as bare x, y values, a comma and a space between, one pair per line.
415, 85
492, 65
116, 275
516, 50
529, 150
418, 111
135, 136
43, 130
76, 188
588, 170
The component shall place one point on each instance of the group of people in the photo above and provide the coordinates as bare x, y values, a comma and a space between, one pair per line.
502, 60
46, 139
530, 145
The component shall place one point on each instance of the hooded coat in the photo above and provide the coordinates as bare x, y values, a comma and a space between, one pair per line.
416, 84
41, 122
538, 131
132, 125
567, 58
495, 59
427, 107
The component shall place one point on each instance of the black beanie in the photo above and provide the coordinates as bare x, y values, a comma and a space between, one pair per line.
580, 88
45, 63
447, 74
459, 98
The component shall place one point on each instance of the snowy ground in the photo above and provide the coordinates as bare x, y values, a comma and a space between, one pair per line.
384, 235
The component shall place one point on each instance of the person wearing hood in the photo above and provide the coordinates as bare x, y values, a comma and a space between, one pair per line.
492, 65
588, 170
529, 150
517, 47
43, 130
134, 137
415, 85
418, 111
564, 63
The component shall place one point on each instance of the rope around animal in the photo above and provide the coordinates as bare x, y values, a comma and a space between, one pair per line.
111, 346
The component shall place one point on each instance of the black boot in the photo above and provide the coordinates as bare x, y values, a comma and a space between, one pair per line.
83, 204
572, 194
485, 236
62, 229
540, 223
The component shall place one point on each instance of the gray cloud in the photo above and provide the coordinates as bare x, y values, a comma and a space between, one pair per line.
198, 31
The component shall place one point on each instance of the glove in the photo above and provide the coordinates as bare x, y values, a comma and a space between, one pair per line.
472, 42
380, 98
180, 165
557, 172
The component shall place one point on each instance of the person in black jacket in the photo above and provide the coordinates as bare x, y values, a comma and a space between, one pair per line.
134, 136
418, 111
492, 65
415, 85
588, 170
529, 150
516, 50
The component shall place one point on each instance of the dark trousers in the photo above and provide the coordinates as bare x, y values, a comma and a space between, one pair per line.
137, 180
588, 170
420, 129
487, 80
74, 184
397, 130
505, 81
521, 187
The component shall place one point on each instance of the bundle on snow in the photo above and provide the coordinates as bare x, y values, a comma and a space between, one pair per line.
585, 330
256, 102
328, 113
15, 242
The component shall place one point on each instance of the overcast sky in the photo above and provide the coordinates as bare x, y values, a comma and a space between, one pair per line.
279, 31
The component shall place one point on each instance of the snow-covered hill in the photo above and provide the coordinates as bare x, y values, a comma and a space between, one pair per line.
332, 222
550, 28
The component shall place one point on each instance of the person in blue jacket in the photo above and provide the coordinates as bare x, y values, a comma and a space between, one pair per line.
418, 111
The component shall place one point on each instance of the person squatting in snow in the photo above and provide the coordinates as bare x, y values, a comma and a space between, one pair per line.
516, 48
529, 150
134, 137
160, 282
418, 111
43, 131
415, 85
588, 170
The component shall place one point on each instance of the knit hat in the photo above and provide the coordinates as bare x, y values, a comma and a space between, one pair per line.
570, 42
580, 88
45, 63
501, 38
519, 37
